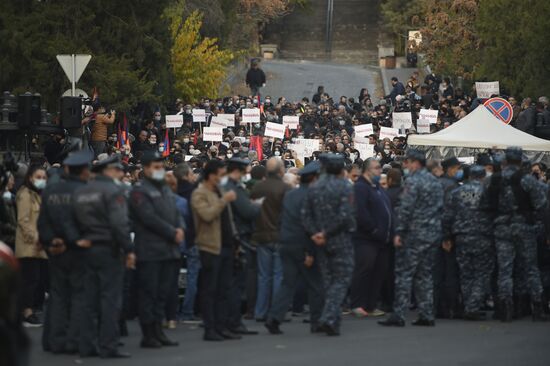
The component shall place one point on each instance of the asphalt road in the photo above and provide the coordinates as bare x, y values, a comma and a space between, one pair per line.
363, 342
297, 79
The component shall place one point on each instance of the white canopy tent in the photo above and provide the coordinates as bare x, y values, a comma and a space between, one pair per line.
477, 132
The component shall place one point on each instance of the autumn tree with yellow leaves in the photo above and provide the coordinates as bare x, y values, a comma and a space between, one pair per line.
198, 64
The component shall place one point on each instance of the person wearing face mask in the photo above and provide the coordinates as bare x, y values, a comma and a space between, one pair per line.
372, 240
417, 236
159, 230
28, 250
60, 236
243, 212
101, 214
446, 278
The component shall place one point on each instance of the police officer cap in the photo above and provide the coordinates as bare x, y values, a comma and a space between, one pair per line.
477, 171
150, 157
238, 161
514, 153
332, 163
415, 154
79, 158
111, 162
484, 159
450, 162
312, 168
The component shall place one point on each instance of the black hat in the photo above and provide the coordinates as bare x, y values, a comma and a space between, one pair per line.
151, 156
238, 161
450, 162
332, 163
79, 158
111, 162
312, 168
477, 171
415, 154
514, 153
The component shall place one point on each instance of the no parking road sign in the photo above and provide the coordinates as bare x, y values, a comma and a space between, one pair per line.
500, 108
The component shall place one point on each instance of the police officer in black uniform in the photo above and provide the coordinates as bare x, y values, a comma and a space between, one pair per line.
243, 214
102, 215
60, 236
297, 257
159, 231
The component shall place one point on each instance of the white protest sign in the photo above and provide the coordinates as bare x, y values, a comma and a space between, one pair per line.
360, 140
387, 132
485, 90
429, 114
216, 121
365, 150
310, 146
363, 130
291, 121
402, 120
274, 130
423, 126
212, 134
199, 115
188, 157
230, 118
174, 121
251, 115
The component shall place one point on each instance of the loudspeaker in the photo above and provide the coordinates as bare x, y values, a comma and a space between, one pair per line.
28, 110
71, 112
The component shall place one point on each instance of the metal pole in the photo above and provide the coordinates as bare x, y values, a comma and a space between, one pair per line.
328, 37
73, 84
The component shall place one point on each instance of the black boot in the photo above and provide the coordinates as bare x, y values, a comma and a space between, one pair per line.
423, 322
212, 335
123, 327
161, 337
538, 312
273, 326
149, 340
507, 310
392, 321
331, 329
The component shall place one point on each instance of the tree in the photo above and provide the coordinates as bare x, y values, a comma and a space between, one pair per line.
515, 48
400, 16
450, 41
197, 63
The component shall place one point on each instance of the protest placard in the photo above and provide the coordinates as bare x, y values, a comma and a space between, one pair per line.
216, 121
309, 146
486, 89
251, 115
467, 160
230, 118
174, 121
274, 130
360, 140
291, 121
402, 120
429, 114
363, 130
365, 150
199, 115
423, 126
212, 134
387, 132
188, 157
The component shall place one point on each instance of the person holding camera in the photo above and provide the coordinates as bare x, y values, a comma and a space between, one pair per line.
100, 129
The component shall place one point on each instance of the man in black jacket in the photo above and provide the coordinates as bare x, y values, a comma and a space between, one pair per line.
102, 215
372, 240
159, 231
60, 236
297, 257
255, 78
243, 213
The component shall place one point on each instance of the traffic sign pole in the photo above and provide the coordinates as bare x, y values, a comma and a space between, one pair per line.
73, 84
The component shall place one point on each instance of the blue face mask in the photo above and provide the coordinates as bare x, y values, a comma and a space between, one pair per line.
459, 174
406, 172
376, 179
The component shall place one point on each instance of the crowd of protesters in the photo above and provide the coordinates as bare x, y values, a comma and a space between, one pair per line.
218, 209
